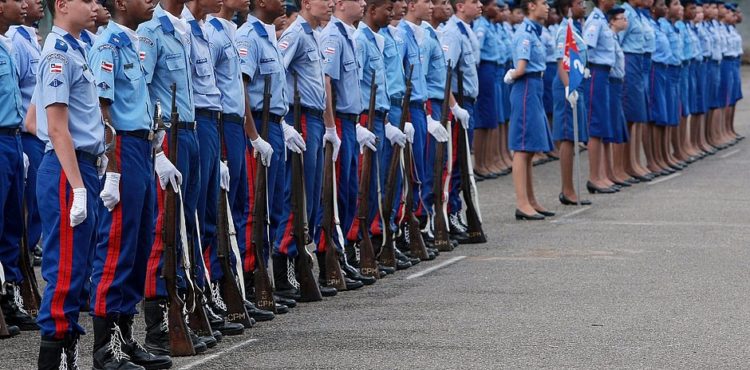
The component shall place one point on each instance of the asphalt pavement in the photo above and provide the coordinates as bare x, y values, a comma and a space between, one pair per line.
655, 276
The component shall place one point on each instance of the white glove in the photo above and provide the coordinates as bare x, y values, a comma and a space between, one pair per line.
394, 135
436, 130
366, 138
586, 73
224, 176
409, 131
508, 79
263, 149
331, 137
167, 172
572, 97
158, 139
25, 166
292, 138
78, 209
462, 115
103, 162
111, 193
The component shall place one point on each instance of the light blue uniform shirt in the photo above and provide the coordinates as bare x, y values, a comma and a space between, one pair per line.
205, 93
674, 57
562, 35
413, 36
649, 31
618, 69
370, 53
165, 52
705, 40
301, 52
527, 45
436, 65
394, 57
489, 45
504, 44
726, 47
663, 52
119, 78
64, 77
11, 114
695, 41
548, 39
736, 38
599, 38
458, 50
89, 38
717, 47
26, 52
221, 35
341, 65
260, 57
687, 43
632, 38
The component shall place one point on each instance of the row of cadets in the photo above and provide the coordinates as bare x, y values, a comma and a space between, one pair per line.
506, 39
300, 48
615, 156
125, 218
14, 161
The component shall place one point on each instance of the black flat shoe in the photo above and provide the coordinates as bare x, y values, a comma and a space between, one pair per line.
593, 189
567, 202
546, 213
632, 181
666, 172
479, 177
623, 184
522, 216
504, 172
643, 178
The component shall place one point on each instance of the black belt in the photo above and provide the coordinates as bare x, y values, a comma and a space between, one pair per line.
233, 118
662, 65
275, 118
498, 64
317, 113
396, 102
186, 125
532, 75
647, 55
416, 105
626, 53
7, 131
685, 63
82, 156
600, 66
731, 58
616, 79
379, 114
139, 134
348, 116
203, 112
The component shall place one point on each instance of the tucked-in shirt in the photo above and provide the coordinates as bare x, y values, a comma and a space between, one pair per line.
26, 53
340, 63
705, 40
717, 42
561, 38
415, 56
11, 111
649, 32
686, 51
206, 94
489, 44
226, 59
393, 57
460, 53
301, 52
632, 38
548, 39
663, 52
697, 49
618, 69
370, 51
599, 38
505, 43
436, 68
527, 45
674, 57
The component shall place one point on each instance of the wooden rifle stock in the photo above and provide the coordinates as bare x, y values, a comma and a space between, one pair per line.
29, 287
263, 289
473, 220
308, 287
439, 217
180, 343
230, 289
333, 274
367, 263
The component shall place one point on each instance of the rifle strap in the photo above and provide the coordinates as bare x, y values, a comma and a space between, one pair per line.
336, 222
386, 223
404, 185
449, 171
235, 249
200, 249
472, 182
2, 279
185, 255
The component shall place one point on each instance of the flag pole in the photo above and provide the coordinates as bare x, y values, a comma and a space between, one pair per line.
576, 155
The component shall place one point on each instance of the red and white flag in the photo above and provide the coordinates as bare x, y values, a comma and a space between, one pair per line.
55, 68
107, 66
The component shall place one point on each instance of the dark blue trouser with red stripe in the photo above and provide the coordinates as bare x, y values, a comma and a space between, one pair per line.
208, 195
66, 249
454, 200
312, 133
11, 192
434, 108
188, 163
377, 179
34, 149
125, 235
417, 118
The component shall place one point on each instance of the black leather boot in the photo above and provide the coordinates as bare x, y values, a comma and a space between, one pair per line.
51, 354
285, 281
351, 251
352, 273
219, 322
12, 306
109, 351
157, 335
138, 354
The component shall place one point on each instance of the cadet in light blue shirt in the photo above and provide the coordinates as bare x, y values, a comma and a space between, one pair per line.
370, 52
487, 116
393, 58
340, 64
633, 43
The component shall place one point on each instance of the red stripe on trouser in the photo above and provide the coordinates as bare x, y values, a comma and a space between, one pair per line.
113, 251
157, 248
249, 260
287, 237
454, 155
322, 244
207, 257
65, 262
428, 108
375, 228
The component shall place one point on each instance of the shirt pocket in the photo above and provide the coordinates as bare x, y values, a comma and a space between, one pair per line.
469, 58
202, 67
390, 51
313, 55
175, 62
33, 67
4, 67
133, 74
350, 65
269, 66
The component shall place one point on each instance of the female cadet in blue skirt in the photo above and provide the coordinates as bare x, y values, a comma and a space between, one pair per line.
693, 11
486, 119
601, 42
563, 108
674, 88
737, 52
620, 135
685, 51
506, 38
704, 39
548, 38
528, 132
729, 72
649, 48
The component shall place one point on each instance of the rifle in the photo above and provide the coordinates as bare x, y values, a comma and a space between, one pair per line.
367, 263
468, 186
334, 276
230, 290
440, 218
197, 318
263, 289
29, 286
308, 287
180, 343
4, 333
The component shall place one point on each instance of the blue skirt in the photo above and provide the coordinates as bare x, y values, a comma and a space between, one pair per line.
698, 79
673, 95
737, 82
596, 93
549, 76
619, 126
657, 97
647, 84
486, 108
562, 121
712, 84
529, 131
684, 91
726, 83
634, 89
502, 113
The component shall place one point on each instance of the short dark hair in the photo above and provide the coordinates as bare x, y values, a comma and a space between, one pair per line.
376, 3
525, 5
562, 6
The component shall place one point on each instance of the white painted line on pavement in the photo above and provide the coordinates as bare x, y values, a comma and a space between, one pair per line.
433, 268
571, 214
217, 354
670, 177
729, 154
